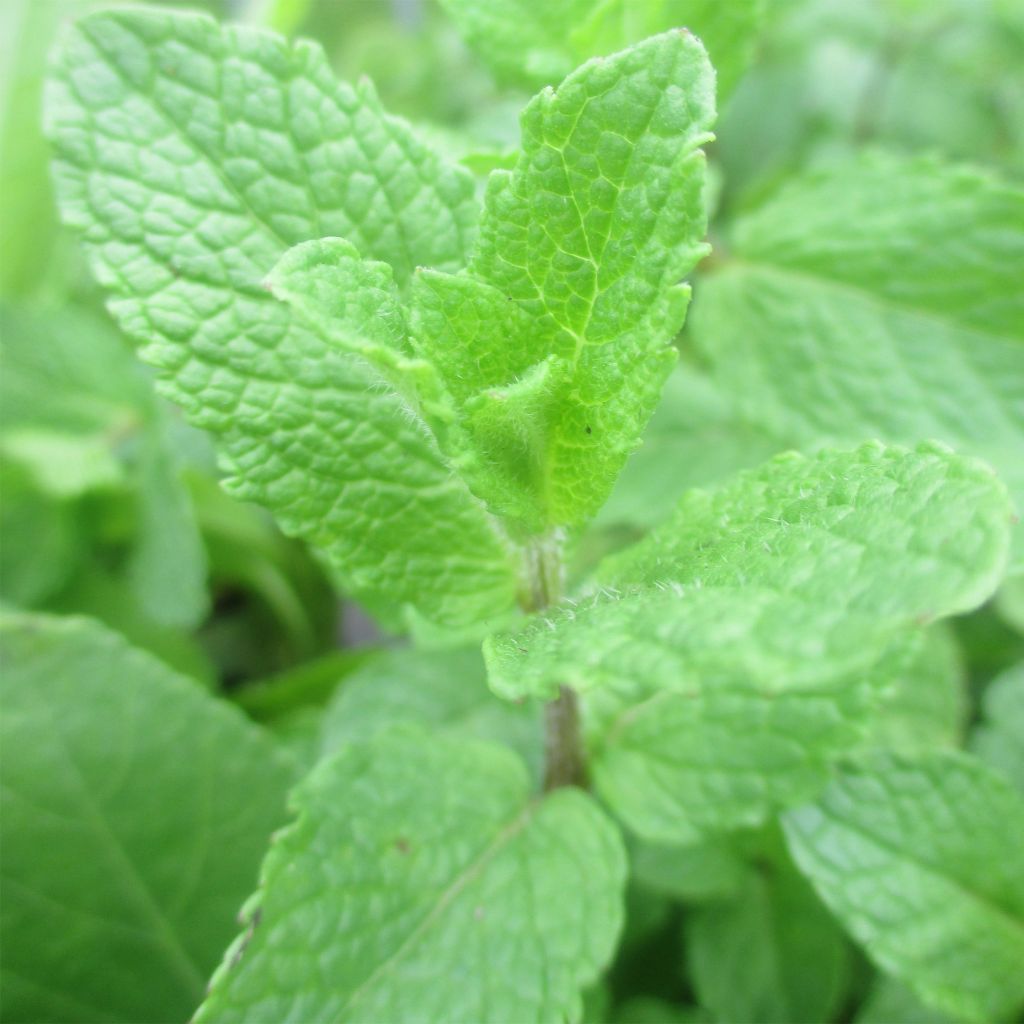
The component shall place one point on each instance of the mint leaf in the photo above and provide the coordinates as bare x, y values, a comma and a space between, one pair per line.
420, 881
770, 955
535, 44
694, 439
999, 738
611, 156
921, 862
135, 811
741, 646
193, 157
79, 414
41, 545
926, 706
708, 870
877, 299
445, 691
890, 1001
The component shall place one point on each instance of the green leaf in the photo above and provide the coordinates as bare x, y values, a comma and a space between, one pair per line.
193, 157
538, 368
445, 691
708, 870
135, 811
168, 566
771, 955
728, 30
590, 235
926, 706
890, 1001
421, 881
41, 543
650, 1010
999, 738
79, 413
921, 862
694, 439
880, 299
534, 44
743, 645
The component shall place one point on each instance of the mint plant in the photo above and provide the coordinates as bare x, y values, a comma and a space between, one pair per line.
750, 711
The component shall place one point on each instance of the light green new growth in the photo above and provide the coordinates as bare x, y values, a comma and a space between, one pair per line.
422, 882
135, 810
741, 647
921, 861
879, 298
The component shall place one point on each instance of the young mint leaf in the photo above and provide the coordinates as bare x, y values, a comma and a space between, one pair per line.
532, 43
421, 881
771, 955
879, 298
999, 738
740, 647
442, 690
135, 812
193, 156
921, 862
554, 345
590, 235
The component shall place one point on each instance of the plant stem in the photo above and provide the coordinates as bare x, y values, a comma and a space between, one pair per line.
564, 763
563, 752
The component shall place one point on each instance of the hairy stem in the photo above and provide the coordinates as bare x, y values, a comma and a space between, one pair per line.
564, 764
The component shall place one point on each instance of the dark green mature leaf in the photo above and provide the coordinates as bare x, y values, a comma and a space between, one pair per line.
922, 862
418, 858
742, 645
878, 299
193, 156
135, 812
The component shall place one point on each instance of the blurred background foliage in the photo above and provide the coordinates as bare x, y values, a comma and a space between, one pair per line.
109, 504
